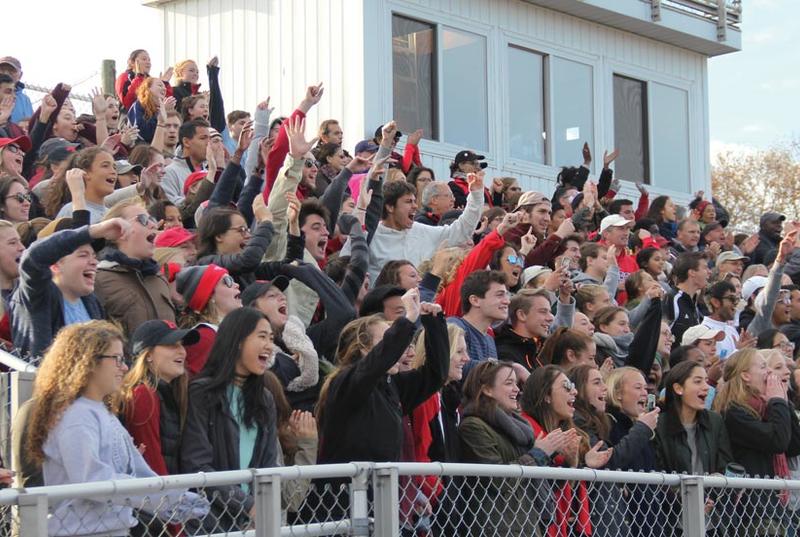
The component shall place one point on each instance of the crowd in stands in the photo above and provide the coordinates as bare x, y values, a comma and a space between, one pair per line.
207, 289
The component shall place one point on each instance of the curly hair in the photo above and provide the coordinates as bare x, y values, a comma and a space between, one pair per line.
63, 374
146, 98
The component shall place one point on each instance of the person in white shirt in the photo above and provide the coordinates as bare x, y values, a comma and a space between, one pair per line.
722, 299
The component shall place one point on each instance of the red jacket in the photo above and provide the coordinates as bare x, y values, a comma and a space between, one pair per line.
143, 421
564, 497
627, 266
450, 296
410, 159
429, 485
277, 155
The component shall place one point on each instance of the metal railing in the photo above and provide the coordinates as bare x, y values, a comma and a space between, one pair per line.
729, 11
416, 499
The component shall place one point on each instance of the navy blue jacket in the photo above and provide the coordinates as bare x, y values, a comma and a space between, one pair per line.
37, 305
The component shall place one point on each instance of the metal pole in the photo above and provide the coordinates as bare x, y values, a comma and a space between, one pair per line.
359, 501
108, 76
693, 499
32, 515
268, 505
387, 517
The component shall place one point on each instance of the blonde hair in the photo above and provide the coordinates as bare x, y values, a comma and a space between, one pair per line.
453, 333
394, 174
168, 254
616, 381
142, 373
734, 390
180, 67
455, 255
64, 373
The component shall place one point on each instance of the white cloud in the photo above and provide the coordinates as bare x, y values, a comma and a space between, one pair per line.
753, 127
718, 147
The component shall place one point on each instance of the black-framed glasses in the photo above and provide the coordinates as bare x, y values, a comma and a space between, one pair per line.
228, 281
309, 163
242, 230
145, 219
21, 197
118, 358
733, 298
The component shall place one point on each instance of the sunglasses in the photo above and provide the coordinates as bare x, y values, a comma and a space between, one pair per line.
569, 385
516, 260
309, 163
118, 358
228, 281
145, 219
15, 149
21, 197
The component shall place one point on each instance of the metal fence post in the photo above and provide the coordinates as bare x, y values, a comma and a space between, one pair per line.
387, 500
693, 508
268, 505
359, 501
32, 515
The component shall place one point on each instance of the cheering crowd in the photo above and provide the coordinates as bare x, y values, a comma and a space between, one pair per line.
207, 289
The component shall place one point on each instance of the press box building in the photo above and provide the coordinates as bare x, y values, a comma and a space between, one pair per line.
524, 82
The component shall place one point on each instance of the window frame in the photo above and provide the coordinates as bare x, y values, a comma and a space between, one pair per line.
646, 123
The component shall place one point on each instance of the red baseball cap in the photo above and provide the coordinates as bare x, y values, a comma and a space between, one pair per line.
192, 179
23, 142
173, 237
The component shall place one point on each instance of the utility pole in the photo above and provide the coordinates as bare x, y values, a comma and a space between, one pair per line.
108, 75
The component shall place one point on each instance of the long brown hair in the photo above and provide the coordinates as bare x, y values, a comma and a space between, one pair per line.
554, 350
596, 420
142, 373
483, 376
283, 410
355, 342
64, 373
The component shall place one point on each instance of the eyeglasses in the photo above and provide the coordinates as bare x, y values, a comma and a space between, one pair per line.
242, 230
309, 163
15, 149
516, 260
569, 385
21, 197
733, 298
228, 281
784, 345
668, 335
118, 358
145, 219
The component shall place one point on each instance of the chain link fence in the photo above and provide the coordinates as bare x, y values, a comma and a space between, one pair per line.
409, 499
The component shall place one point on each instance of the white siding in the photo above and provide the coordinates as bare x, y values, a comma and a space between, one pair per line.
606, 49
276, 48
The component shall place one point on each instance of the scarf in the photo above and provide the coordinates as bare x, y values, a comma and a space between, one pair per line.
147, 267
614, 346
511, 425
780, 464
564, 498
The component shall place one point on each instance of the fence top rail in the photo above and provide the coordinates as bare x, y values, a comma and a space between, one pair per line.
14, 363
143, 486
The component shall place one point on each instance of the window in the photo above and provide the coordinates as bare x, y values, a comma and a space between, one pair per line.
464, 104
526, 127
413, 62
573, 111
630, 129
670, 131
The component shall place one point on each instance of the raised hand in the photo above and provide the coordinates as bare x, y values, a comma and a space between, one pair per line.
475, 181
387, 133
113, 229
245, 137
414, 137
47, 107
99, 104
359, 163
608, 158
264, 105
527, 242
166, 76
129, 135
566, 228
76, 182
378, 168
650, 418
303, 424
641, 188
296, 132
260, 210
429, 308
611, 255
313, 96
587, 154
746, 340
411, 302
786, 246
510, 220
110, 144
213, 62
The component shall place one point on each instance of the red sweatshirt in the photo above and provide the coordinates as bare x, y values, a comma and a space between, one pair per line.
197, 354
277, 155
450, 296
410, 158
143, 421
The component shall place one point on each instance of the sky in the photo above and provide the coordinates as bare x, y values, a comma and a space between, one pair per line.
752, 94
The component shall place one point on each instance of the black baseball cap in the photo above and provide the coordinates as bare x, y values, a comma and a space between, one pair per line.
253, 291
468, 156
373, 300
158, 332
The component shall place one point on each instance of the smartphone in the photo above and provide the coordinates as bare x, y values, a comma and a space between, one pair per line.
651, 402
